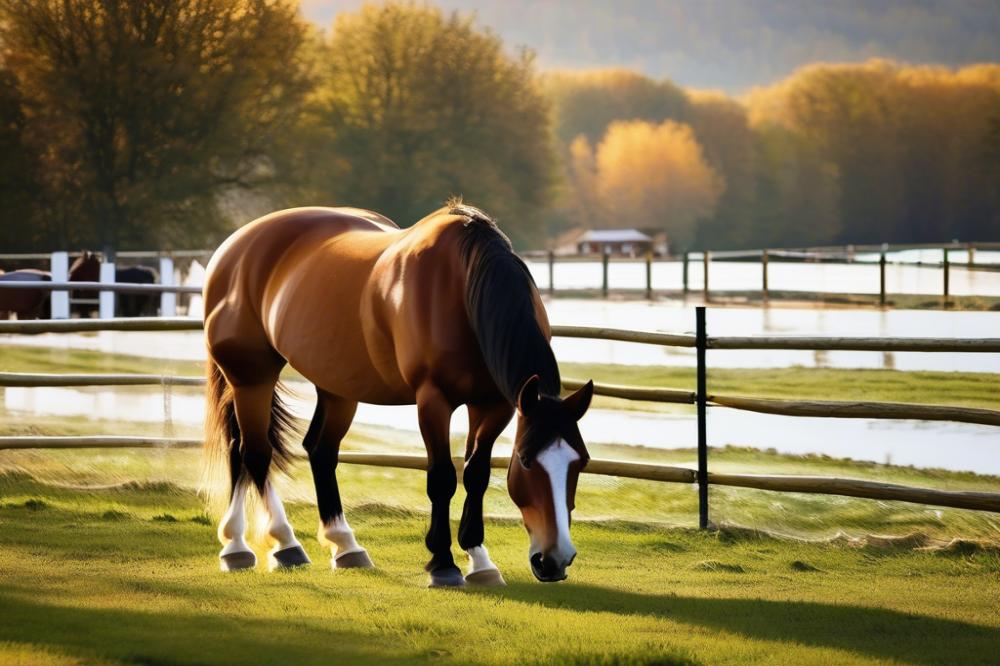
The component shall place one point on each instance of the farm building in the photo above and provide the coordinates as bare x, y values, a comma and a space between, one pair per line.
627, 242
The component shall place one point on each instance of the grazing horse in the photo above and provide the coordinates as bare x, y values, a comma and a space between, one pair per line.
439, 315
87, 268
137, 305
24, 303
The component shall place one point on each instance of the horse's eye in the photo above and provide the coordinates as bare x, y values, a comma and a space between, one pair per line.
523, 459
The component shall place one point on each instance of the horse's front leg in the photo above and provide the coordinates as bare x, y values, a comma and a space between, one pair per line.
485, 425
434, 413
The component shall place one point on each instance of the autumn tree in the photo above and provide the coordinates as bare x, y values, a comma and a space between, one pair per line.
650, 175
416, 105
144, 111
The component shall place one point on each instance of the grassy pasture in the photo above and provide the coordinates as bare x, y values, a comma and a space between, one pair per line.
127, 574
107, 556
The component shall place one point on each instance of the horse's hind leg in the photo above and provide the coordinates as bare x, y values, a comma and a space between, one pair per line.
329, 425
253, 387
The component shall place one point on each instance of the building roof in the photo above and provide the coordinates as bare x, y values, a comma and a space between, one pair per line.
614, 236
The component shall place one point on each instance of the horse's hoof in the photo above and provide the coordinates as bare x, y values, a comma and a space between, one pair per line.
486, 578
238, 561
289, 558
356, 559
451, 577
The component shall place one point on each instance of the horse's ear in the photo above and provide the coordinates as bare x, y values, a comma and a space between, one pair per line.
578, 403
527, 397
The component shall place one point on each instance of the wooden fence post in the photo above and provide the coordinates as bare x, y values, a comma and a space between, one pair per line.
106, 299
763, 268
59, 300
684, 272
605, 260
168, 299
705, 258
947, 278
881, 278
970, 253
701, 342
552, 272
649, 273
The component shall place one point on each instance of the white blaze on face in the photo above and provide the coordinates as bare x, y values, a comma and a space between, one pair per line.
555, 460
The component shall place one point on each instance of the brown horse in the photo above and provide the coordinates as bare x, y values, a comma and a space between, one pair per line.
87, 268
439, 315
24, 303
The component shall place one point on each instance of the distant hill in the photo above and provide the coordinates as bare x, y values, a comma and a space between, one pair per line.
730, 44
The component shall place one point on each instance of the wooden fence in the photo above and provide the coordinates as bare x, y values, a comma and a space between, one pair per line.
844, 255
700, 397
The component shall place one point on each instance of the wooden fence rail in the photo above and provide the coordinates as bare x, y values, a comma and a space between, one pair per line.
979, 501
160, 324
815, 408
117, 287
701, 342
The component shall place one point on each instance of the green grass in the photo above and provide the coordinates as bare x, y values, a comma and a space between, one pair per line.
969, 389
108, 556
128, 575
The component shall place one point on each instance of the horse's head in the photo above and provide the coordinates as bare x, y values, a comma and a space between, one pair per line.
86, 268
549, 454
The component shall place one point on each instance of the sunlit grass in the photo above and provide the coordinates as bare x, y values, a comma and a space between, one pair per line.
128, 575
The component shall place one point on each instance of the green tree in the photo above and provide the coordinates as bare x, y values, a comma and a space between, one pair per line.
416, 105
18, 173
587, 102
142, 112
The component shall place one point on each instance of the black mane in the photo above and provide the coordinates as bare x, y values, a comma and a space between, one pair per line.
499, 298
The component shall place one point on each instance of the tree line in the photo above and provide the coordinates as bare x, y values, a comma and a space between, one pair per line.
138, 123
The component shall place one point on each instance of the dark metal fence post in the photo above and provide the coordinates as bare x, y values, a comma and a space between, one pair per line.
881, 278
763, 268
684, 274
705, 258
947, 278
605, 258
649, 274
701, 342
552, 272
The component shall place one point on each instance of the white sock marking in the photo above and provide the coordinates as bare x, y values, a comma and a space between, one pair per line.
339, 535
278, 528
479, 560
234, 524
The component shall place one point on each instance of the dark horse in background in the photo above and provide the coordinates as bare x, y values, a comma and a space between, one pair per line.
24, 303
440, 315
33, 303
87, 268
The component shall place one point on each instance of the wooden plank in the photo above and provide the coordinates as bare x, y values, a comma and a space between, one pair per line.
978, 501
663, 473
92, 325
103, 286
860, 410
26, 379
678, 396
978, 345
95, 442
621, 335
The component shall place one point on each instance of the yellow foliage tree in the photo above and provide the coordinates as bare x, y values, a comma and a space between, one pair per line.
651, 175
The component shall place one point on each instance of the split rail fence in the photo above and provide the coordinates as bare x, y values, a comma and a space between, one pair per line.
864, 255
700, 397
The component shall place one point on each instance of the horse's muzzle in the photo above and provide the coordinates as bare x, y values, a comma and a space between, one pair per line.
547, 569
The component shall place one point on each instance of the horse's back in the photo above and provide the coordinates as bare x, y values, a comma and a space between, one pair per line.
271, 281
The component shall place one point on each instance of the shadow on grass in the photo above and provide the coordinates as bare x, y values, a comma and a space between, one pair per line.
158, 637
874, 632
